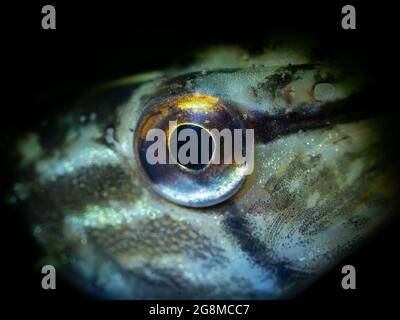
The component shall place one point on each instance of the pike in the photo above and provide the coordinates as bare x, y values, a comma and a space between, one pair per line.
324, 180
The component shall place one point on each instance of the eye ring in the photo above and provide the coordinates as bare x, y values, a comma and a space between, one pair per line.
205, 186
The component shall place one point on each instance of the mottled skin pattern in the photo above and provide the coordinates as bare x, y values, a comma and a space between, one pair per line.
323, 182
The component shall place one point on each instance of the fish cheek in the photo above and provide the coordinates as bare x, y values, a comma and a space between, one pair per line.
315, 196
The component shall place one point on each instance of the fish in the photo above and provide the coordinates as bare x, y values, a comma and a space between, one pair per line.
323, 180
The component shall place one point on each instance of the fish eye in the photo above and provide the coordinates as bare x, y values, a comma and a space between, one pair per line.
207, 178
199, 131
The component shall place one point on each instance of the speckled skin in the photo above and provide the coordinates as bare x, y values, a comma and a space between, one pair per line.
323, 182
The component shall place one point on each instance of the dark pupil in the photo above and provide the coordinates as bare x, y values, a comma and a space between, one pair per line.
197, 129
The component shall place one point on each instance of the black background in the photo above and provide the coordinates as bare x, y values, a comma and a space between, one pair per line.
97, 42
